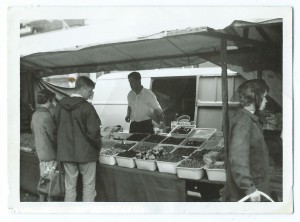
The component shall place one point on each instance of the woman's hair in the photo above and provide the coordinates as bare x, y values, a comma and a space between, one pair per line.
84, 81
44, 96
252, 91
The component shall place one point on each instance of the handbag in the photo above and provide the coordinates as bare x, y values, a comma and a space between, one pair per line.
55, 185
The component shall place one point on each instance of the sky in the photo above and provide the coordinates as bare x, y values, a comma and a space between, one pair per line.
111, 24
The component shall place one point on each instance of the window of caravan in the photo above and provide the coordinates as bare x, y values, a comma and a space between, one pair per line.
176, 96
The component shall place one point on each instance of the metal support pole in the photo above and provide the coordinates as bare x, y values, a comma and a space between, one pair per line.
223, 58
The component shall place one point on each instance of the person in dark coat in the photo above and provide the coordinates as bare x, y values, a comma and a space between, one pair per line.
247, 158
78, 139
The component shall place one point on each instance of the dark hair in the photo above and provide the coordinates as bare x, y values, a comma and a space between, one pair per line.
44, 96
135, 75
84, 81
252, 91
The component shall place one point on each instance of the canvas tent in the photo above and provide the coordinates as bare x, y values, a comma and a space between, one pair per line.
254, 50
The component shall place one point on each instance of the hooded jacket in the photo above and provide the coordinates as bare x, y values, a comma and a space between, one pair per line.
78, 131
248, 157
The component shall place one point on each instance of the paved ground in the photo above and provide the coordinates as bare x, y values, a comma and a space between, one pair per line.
27, 197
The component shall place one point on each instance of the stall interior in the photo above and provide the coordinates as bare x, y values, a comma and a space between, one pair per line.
176, 97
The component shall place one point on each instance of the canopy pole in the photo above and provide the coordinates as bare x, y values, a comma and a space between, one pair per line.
223, 58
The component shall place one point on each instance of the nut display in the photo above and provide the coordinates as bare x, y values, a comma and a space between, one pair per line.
194, 143
217, 165
154, 153
155, 139
128, 153
199, 155
173, 140
192, 163
182, 130
177, 155
137, 136
123, 146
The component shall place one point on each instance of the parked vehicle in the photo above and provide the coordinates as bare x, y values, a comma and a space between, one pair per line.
194, 91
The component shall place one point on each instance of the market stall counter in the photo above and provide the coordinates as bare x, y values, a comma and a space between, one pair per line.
115, 183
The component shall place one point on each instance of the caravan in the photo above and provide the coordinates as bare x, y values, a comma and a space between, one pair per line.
195, 92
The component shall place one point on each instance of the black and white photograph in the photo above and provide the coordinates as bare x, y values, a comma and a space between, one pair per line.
150, 109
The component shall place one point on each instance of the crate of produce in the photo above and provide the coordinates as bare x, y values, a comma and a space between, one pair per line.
107, 156
168, 162
146, 159
216, 171
203, 133
121, 135
182, 131
191, 169
215, 142
173, 140
194, 142
155, 138
107, 144
143, 164
126, 158
138, 137
107, 159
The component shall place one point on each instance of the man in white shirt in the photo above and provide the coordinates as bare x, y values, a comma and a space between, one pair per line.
143, 107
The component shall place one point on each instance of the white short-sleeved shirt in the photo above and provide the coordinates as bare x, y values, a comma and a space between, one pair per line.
142, 105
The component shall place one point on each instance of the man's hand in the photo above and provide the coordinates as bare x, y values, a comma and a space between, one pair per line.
127, 119
255, 196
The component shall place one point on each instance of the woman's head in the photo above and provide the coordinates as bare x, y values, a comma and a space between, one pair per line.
45, 96
253, 92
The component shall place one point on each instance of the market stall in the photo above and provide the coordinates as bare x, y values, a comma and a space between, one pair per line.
246, 47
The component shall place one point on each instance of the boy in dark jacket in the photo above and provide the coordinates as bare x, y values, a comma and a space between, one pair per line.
78, 139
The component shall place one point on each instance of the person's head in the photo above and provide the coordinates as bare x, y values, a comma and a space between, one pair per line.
134, 79
253, 92
46, 98
85, 86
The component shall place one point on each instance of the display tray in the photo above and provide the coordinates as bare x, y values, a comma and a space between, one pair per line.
216, 174
155, 138
138, 137
146, 164
108, 143
173, 140
182, 131
121, 135
106, 159
125, 162
167, 167
193, 142
203, 133
144, 147
190, 173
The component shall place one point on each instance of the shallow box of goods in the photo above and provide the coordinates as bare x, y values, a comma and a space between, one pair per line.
216, 174
204, 133
107, 159
138, 137
169, 167
111, 159
125, 161
145, 164
121, 135
165, 141
184, 142
190, 173
176, 134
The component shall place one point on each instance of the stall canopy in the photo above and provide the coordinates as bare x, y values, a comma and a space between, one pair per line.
250, 47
